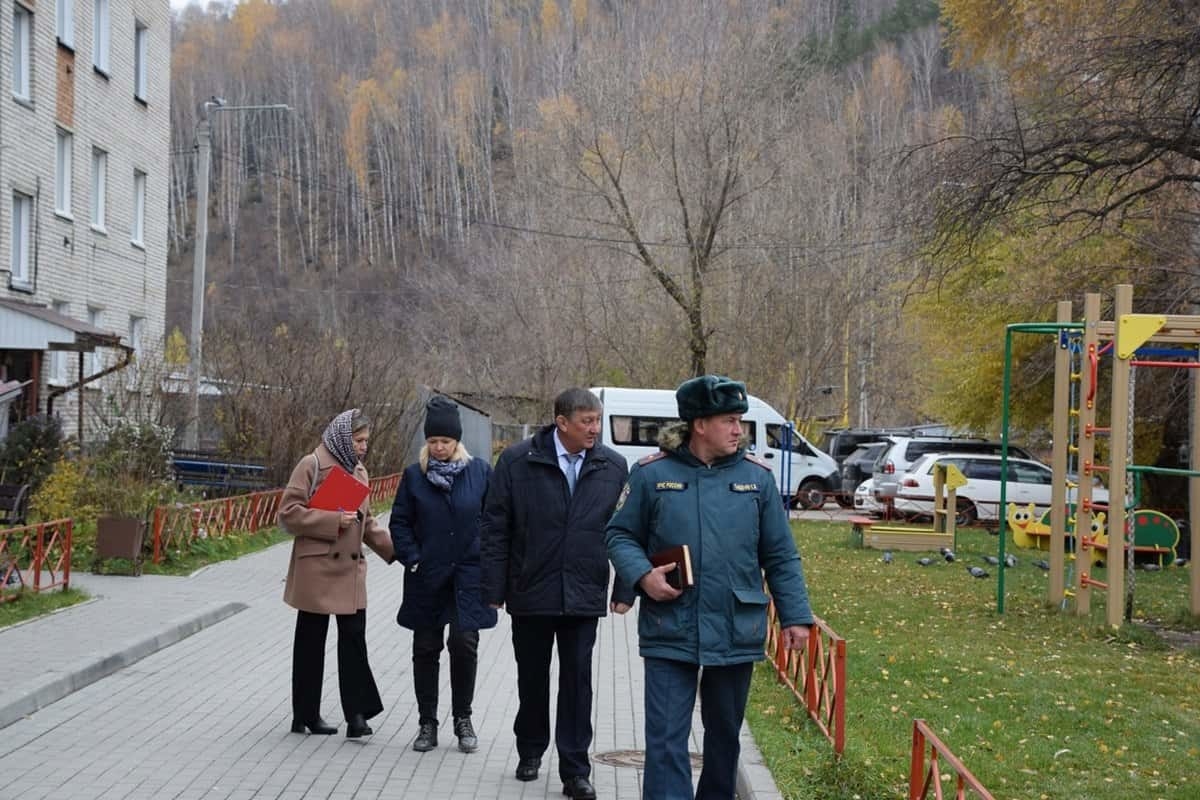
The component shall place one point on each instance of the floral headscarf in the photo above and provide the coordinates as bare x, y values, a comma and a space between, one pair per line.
339, 439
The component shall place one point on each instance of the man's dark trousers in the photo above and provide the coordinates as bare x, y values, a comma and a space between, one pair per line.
533, 641
670, 689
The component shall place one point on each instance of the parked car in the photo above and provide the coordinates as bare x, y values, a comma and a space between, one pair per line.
1028, 482
905, 450
865, 501
841, 442
858, 467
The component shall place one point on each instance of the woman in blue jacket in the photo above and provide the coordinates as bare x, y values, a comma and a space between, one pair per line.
435, 531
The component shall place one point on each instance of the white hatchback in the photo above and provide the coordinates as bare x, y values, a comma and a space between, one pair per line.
1028, 482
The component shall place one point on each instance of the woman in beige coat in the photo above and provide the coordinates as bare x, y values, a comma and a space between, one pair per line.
328, 575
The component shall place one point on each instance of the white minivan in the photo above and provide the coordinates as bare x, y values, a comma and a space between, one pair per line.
633, 418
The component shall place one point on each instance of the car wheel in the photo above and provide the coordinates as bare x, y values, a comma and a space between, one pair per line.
966, 514
811, 495
845, 499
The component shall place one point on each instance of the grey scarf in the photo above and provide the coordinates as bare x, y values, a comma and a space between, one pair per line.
339, 440
442, 473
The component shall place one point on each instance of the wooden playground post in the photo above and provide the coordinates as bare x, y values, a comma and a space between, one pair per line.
1194, 495
1087, 450
1117, 473
1058, 457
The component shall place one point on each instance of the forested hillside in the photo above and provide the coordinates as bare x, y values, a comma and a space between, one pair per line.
509, 196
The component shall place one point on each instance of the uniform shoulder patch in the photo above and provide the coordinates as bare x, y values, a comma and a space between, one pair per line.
650, 459
753, 459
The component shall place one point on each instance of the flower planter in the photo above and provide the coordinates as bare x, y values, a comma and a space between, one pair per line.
120, 537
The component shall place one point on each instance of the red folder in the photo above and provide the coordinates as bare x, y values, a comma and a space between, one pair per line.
340, 491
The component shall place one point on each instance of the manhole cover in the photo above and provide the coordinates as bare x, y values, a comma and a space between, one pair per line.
636, 759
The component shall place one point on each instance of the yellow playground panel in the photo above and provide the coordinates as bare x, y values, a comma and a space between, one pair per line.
866, 532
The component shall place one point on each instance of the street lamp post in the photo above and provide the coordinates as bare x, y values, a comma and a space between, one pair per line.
191, 438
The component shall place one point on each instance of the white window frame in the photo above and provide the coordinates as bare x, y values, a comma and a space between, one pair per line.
137, 333
141, 51
64, 22
56, 371
64, 155
91, 362
22, 54
20, 258
99, 189
137, 233
101, 35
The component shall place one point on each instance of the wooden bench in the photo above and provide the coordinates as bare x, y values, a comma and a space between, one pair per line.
867, 532
218, 473
14, 504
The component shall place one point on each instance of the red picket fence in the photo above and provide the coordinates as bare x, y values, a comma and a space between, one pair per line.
816, 675
177, 526
922, 780
35, 557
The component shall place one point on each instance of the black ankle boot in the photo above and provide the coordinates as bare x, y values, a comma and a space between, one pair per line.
357, 727
426, 738
317, 726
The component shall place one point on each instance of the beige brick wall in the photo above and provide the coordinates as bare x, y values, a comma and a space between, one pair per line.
73, 261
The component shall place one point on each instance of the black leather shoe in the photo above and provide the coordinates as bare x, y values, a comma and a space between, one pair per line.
357, 727
468, 742
578, 787
318, 726
527, 769
426, 738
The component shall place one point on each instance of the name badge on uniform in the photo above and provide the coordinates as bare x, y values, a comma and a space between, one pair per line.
670, 486
743, 487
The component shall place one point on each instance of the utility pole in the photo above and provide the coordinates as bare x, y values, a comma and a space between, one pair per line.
191, 436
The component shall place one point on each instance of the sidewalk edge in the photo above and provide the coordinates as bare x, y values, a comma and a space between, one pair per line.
23, 701
754, 780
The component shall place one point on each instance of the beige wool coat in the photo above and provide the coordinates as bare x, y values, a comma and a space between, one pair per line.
328, 570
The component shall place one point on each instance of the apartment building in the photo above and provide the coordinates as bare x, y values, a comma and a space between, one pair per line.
84, 170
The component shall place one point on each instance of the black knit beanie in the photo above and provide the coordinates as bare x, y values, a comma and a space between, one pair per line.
441, 419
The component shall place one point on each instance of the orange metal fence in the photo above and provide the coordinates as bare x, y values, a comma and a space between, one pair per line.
924, 779
178, 526
816, 675
35, 557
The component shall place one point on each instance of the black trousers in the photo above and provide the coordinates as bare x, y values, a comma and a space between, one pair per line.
427, 657
533, 641
356, 684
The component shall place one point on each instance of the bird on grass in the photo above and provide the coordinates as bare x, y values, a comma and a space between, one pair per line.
1010, 561
887, 556
1181, 562
992, 560
947, 554
1151, 567
977, 572
1042, 563
925, 561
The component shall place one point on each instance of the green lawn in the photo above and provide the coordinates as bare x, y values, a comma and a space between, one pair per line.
28, 605
1038, 704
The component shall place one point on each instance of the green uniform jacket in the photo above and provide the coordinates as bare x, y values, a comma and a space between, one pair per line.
732, 519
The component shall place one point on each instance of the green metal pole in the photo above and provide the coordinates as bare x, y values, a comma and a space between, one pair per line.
1002, 513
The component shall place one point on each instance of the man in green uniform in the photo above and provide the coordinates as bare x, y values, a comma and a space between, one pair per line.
703, 490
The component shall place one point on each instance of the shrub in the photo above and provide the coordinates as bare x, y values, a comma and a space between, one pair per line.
31, 450
65, 493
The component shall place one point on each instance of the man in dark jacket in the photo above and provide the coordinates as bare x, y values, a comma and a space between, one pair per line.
544, 559
703, 491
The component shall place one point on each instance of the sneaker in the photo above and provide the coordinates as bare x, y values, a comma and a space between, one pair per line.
467, 741
427, 738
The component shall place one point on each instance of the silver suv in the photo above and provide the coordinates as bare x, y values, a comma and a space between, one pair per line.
904, 450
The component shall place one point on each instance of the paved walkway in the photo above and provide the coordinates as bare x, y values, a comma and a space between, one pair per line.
179, 688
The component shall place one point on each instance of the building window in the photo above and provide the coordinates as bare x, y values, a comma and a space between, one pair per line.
141, 45
91, 363
139, 208
57, 372
22, 244
21, 57
137, 329
99, 187
100, 36
64, 22
62, 173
